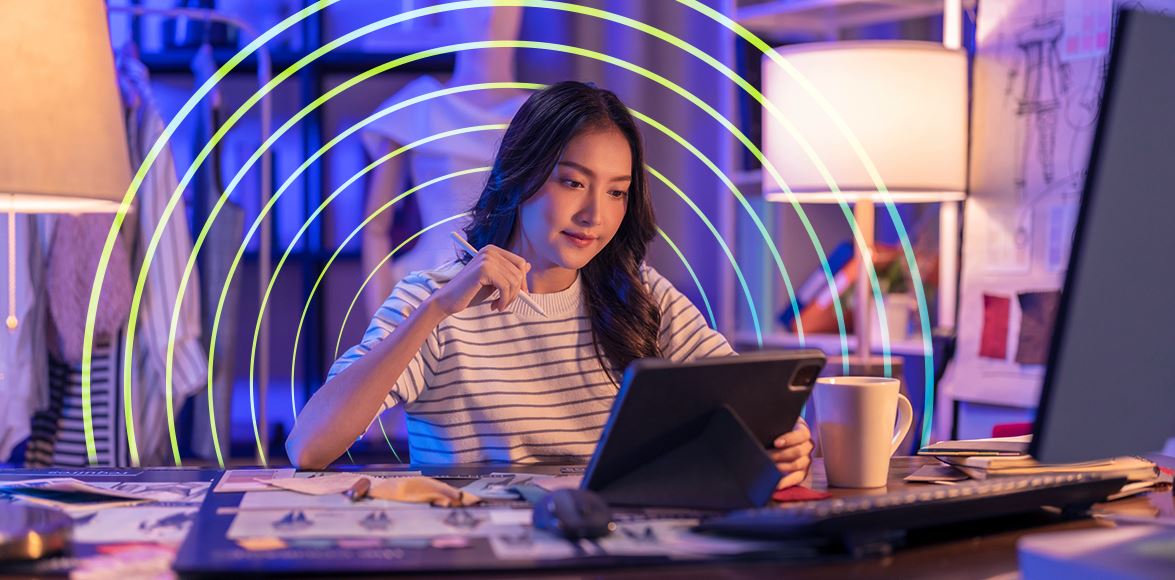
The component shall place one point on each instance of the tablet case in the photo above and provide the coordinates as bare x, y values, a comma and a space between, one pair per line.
722, 467
695, 435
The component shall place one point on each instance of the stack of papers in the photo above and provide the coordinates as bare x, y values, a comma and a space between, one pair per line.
996, 446
1008, 456
70, 495
1132, 468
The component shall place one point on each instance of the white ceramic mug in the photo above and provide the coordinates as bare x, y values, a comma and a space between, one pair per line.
858, 434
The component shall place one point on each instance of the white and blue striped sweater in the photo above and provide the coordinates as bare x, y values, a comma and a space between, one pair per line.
514, 386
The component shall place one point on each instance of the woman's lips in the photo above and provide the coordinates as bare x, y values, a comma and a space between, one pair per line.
578, 240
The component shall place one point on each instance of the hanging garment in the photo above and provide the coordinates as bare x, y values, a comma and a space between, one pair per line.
24, 375
189, 361
220, 246
74, 253
58, 433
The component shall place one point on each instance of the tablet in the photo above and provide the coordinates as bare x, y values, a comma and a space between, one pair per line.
677, 421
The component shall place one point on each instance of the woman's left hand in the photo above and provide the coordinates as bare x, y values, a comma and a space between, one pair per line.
793, 454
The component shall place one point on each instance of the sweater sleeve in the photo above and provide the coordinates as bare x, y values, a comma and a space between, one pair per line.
405, 298
683, 336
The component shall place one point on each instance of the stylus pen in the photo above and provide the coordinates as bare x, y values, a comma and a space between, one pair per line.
523, 296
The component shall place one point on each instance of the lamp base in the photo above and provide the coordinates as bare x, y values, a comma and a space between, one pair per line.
31, 532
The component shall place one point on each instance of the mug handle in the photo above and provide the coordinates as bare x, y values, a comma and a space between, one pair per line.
905, 419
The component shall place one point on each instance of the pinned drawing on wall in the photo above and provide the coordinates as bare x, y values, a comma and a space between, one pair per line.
1038, 75
1061, 222
1009, 242
1040, 81
1087, 29
1038, 313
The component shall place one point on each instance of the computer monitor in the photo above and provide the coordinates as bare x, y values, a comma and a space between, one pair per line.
1109, 387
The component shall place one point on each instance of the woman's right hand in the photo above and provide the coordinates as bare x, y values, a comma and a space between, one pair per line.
492, 269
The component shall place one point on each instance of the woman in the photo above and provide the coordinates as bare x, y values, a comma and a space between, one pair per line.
566, 217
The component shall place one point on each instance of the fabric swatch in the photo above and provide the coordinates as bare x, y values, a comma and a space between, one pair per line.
993, 342
1038, 313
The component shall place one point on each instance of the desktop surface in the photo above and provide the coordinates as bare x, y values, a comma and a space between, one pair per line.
973, 550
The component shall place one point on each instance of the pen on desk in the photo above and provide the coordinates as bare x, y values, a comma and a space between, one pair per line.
523, 296
358, 489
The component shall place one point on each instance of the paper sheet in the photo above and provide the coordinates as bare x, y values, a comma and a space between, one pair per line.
239, 480
325, 484
69, 495
524, 543
365, 523
292, 500
168, 525
168, 492
1087, 29
671, 538
1061, 224
561, 482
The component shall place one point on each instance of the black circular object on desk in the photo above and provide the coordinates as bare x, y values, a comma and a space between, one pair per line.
29, 532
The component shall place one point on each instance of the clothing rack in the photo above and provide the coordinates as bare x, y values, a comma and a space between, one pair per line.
265, 249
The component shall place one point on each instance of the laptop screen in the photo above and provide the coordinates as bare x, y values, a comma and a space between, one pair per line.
1109, 388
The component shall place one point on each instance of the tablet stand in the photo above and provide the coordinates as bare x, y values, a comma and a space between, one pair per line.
722, 467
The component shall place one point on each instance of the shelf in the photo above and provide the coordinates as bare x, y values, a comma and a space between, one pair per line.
829, 343
777, 18
340, 61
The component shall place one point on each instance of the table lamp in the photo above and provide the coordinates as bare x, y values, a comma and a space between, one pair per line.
63, 146
904, 102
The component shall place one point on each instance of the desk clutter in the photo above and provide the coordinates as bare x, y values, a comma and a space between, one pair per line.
158, 522
253, 520
1001, 457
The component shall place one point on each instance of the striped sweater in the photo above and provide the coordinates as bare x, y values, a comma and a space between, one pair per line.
514, 386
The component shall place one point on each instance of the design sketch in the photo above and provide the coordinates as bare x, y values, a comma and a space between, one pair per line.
523, 537
179, 491
640, 534
1043, 81
460, 518
376, 521
178, 522
293, 521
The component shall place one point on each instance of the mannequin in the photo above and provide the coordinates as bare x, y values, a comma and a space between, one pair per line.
440, 157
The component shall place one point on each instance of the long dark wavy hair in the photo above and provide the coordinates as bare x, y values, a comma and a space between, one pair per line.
625, 318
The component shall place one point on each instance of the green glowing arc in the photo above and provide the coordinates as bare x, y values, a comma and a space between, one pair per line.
389, 21
232, 63
523, 44
228, 66
392, 202
390, 255
120, 217
878, 183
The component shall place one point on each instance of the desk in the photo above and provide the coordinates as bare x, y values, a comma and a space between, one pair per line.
973, 551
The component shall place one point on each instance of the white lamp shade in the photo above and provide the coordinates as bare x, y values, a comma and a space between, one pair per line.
904, 102
63, 146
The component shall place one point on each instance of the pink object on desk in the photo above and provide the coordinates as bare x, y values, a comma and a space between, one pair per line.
1011, 429
798, 493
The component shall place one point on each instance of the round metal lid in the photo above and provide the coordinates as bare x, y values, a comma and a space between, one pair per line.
29, 532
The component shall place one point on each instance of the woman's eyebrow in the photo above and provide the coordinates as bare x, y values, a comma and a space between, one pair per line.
591, 173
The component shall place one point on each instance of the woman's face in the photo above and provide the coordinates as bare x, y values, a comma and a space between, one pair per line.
580, 207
